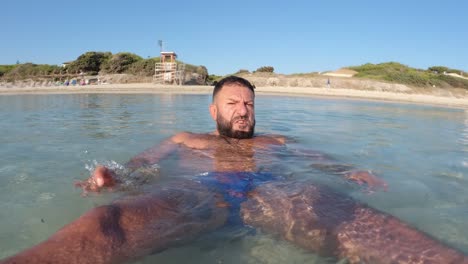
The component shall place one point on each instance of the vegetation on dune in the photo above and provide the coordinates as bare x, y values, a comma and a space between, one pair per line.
89, 62
212, 79
143, 67
93, 63
398, 73
443, 69
4, 69
202, 71
19, 71
265, 69
120, 62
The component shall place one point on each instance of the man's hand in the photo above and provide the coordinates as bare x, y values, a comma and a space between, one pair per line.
102, 177
367, 177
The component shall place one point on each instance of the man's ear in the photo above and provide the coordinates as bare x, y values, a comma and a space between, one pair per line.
213, 111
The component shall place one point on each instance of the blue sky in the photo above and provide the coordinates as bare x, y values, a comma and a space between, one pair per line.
225, 36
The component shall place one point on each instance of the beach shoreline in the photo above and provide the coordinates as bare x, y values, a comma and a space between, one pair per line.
149, 88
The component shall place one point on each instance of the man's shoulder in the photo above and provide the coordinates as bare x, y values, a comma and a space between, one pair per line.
271, 139
181, 137
189, 138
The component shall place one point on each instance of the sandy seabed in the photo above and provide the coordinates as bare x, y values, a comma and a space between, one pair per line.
149, 88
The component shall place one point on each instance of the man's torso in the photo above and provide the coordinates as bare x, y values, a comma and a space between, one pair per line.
209, 152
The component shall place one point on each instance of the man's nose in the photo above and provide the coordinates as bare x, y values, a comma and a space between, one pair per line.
242, 109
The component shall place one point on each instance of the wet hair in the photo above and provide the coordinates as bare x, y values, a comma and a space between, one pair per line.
232, 80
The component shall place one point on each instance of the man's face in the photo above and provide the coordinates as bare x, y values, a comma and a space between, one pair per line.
233, 110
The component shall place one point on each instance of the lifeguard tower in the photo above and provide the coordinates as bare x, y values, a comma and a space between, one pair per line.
168, 71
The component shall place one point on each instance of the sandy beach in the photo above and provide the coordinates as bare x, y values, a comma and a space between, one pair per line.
149, 88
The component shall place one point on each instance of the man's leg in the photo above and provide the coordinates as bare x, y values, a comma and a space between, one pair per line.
132, 227
324, 221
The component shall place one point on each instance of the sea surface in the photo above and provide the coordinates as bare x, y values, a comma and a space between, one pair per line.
48, 142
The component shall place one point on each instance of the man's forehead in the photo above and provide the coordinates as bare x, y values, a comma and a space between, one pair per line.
234, 90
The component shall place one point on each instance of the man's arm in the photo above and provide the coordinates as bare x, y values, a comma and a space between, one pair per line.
132, 227
328, 164
140, 166
154, 154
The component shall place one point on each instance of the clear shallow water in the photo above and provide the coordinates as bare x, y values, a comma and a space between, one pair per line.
47, 142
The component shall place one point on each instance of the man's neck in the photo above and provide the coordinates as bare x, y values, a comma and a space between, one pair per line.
216, 133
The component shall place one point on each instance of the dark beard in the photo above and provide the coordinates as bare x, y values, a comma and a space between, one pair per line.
225, 128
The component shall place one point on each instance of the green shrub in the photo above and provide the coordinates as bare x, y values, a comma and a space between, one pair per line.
89, 62
265, 69
119, 62
200, 70
143, 67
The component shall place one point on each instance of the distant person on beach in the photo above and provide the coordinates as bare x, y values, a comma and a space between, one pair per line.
328, 83
234, 183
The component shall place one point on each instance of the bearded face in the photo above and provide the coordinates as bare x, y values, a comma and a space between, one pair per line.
233, 109
226, 127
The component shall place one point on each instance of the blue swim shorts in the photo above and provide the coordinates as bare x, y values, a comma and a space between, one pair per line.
234, 186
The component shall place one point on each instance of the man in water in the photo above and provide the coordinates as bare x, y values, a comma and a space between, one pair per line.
238, 188
232, 147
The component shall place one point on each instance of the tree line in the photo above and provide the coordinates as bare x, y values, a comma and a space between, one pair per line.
92, 63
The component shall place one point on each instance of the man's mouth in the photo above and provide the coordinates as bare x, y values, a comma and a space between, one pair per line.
242, 123
240, 120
